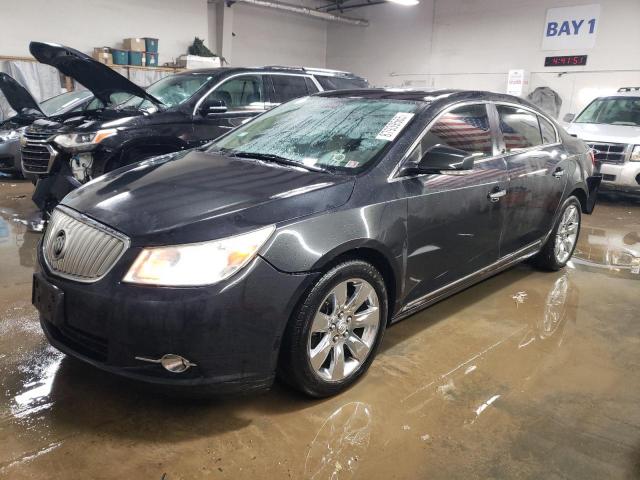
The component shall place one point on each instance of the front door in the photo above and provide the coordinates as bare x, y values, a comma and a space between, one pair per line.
454, 221
244, 97
537, 166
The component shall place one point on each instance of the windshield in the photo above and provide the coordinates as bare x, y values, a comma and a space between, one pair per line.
325, 132
171, 90
60, 103
613, 111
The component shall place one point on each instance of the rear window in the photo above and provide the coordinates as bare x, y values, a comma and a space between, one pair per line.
288, 87
519, 128
547, 130
341, 83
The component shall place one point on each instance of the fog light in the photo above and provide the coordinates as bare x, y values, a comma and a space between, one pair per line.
170, 362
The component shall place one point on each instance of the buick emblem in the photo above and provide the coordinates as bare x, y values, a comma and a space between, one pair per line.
59, 242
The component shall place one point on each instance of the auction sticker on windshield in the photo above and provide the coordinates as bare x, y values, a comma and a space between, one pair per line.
391, 130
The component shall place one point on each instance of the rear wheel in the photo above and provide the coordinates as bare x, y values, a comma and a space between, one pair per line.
333, 336
560, 245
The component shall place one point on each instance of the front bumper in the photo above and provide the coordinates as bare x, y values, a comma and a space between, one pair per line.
10, 156
231, 330
622, 177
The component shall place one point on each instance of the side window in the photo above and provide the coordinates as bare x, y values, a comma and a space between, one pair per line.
465, 128
547, 130
311, 87
288, 87
519, 127
94, 104
245, 92
340, 83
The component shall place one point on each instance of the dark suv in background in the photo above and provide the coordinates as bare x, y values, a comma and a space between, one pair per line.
127, 123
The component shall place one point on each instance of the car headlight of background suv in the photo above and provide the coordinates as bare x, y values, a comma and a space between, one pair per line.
82, 142
635, 154
7, 135
197, 264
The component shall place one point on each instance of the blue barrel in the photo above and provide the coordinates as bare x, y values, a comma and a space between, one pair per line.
120, 57
135, 58
151, 45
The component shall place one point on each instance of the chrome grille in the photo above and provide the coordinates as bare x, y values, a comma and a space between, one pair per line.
87, 250
37, 154
609, 152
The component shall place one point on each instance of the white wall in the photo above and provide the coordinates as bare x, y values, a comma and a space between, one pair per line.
268, 37
476, 42
473, 43
85, 24
398, 39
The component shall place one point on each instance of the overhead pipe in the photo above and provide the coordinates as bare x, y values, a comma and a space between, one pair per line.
309, 12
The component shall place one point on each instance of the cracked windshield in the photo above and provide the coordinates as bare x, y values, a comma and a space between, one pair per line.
322, 133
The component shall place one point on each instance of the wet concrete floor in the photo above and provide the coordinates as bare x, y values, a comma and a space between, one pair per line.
527, 375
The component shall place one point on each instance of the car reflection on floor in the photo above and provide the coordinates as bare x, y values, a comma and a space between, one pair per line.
612, 249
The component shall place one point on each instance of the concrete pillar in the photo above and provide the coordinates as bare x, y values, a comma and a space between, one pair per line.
224, 30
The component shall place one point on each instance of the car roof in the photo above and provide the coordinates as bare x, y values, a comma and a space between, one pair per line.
632, 93
273, 68
424, 95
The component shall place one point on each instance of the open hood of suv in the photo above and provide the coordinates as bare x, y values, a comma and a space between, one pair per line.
18, 97
101, 80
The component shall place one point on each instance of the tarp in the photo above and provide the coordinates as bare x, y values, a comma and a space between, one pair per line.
42, 81
547, 100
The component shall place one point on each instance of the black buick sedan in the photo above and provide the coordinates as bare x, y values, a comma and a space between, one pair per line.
288, 245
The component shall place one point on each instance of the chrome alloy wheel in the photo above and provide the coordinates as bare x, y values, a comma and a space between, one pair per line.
567, 234
344, 330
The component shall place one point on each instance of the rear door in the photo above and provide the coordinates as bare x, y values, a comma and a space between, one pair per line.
537, 165
455, 219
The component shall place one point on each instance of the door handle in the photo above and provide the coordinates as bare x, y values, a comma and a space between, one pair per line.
496, 195
559, 173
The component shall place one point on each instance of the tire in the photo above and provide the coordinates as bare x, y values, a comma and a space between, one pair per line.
550, 258
342, 336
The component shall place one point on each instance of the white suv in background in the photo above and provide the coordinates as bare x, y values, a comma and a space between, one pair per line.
611, 126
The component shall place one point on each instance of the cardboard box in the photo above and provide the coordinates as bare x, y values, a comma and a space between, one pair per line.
103, 55
134, 44
194, 61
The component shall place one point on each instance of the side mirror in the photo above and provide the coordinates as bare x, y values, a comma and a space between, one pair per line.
569, 117
442, 159
210, 107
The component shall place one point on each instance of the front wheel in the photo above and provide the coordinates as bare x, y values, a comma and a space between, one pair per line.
333, 335
560, 245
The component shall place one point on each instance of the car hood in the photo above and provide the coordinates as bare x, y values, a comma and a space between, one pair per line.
17, 96
196, 196
101, 80
599, 132
88, 121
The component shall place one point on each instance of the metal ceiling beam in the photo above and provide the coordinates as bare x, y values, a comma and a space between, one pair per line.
308, 12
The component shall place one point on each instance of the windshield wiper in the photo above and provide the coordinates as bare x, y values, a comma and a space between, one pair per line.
269, 157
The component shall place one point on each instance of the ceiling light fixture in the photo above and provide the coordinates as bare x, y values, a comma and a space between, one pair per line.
406, 3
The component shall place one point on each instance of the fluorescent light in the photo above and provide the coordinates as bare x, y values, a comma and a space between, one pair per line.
406, 3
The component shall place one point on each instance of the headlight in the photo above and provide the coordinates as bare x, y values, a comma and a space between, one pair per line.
9, 135
83, 141
635, 154
197, 263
